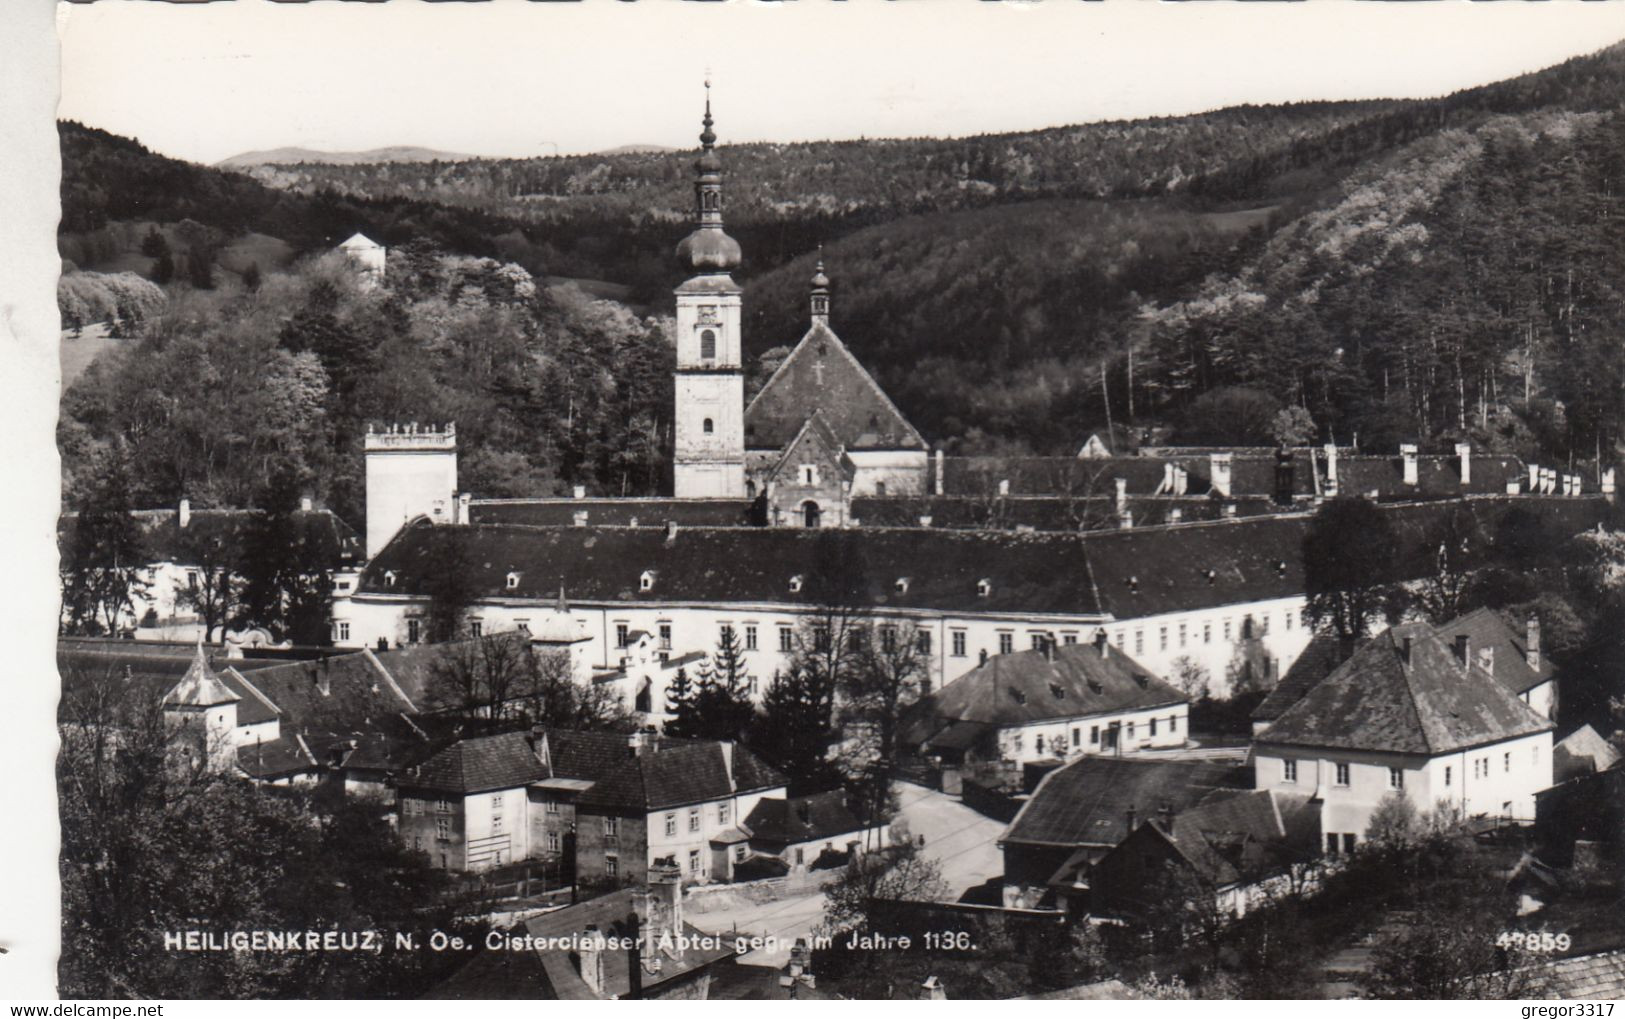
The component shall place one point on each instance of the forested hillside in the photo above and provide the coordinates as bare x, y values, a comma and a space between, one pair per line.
1421, 270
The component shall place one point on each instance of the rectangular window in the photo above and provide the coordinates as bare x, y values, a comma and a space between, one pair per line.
1181, 634
442, 827
922, 641
1289, 619
739, 853
888, 639
1139, 642
1007, 643
612, 865
551, 807
1331, 843
1037, 641
622, 632
1506, 762
342, 628
1342, 773
1348, 842
787, 640
611, 827
1289, 771
725, 633
496, 814
1038, 743
671, 825
476, 628
1153, 727
1015, 741
1094, 735
1173, 723
1130, 728
722, 813
750, 636
442, 806
1207, 633
414, 629
665, 636
552, 841
1117, 638
1227, 631
820, 638
1396, 778
1162, 638
1077, 737
958, 639
693, 861
522, 625
1447, 774
694, 819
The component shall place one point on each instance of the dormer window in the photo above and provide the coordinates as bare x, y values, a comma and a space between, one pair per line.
1018, 696
513, 581
902, 585
389, 578
984, 587
646, 581
1211, 575
1058, 691
795, 584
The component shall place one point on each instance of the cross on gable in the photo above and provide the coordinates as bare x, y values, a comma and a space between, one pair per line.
818, 372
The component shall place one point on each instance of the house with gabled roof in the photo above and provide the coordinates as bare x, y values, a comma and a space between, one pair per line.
1055, 701
1411, 714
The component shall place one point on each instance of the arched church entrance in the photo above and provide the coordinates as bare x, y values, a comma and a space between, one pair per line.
810, 513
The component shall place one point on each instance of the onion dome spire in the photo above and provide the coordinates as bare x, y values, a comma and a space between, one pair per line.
820, 291
708, 249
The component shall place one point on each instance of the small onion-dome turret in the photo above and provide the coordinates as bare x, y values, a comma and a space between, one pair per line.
708, 249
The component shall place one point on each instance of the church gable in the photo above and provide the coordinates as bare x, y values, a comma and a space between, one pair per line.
814, 446
822, 377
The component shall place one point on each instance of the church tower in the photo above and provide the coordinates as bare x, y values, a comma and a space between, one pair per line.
709, 456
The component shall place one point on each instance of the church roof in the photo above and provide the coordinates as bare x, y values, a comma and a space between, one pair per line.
1421, 701
200, 687
822, 376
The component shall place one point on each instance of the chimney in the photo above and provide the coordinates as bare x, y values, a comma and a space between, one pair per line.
1004, 487
1182, 480
1125, 520
727, 746
665, 898
1229, 511
1531, 643
1608, 483
1167, 486
592, 958
804, 813
1407, 453
1175, 515
671, 531
1331, 469
184, 517
1535, 478
1405, 650
634, 745
1486, 659
578, 492
1101, 643
932, 989
1165, 818
925, 520
1464, 455
1049, 647
1131, 818
1219, 466
1284, 482
1120, 496
463, 501
983, 657
1463, 649
580, 518
938, 480
305, 504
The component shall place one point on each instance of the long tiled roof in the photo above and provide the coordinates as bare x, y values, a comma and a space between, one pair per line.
1047, 512
1087, 802
682, 774
608, 512
223, 532
1128, 573
822, 376
1228, 837
504, 761
1027, 686
1430, 705
1485, 629
1314, 663
344, 691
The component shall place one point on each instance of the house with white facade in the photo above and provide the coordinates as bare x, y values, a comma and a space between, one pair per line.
1059, 701
1408, 713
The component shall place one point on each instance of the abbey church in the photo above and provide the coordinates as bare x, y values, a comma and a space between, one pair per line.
820, 432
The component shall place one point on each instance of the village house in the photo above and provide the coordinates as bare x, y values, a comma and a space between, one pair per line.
1080, 812
802, 829
1410, 714
1059, 701
1241, 847
191, 553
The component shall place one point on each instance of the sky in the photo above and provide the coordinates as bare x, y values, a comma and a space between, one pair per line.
517, 78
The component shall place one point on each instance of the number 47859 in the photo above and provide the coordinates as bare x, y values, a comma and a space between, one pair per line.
1534, 941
